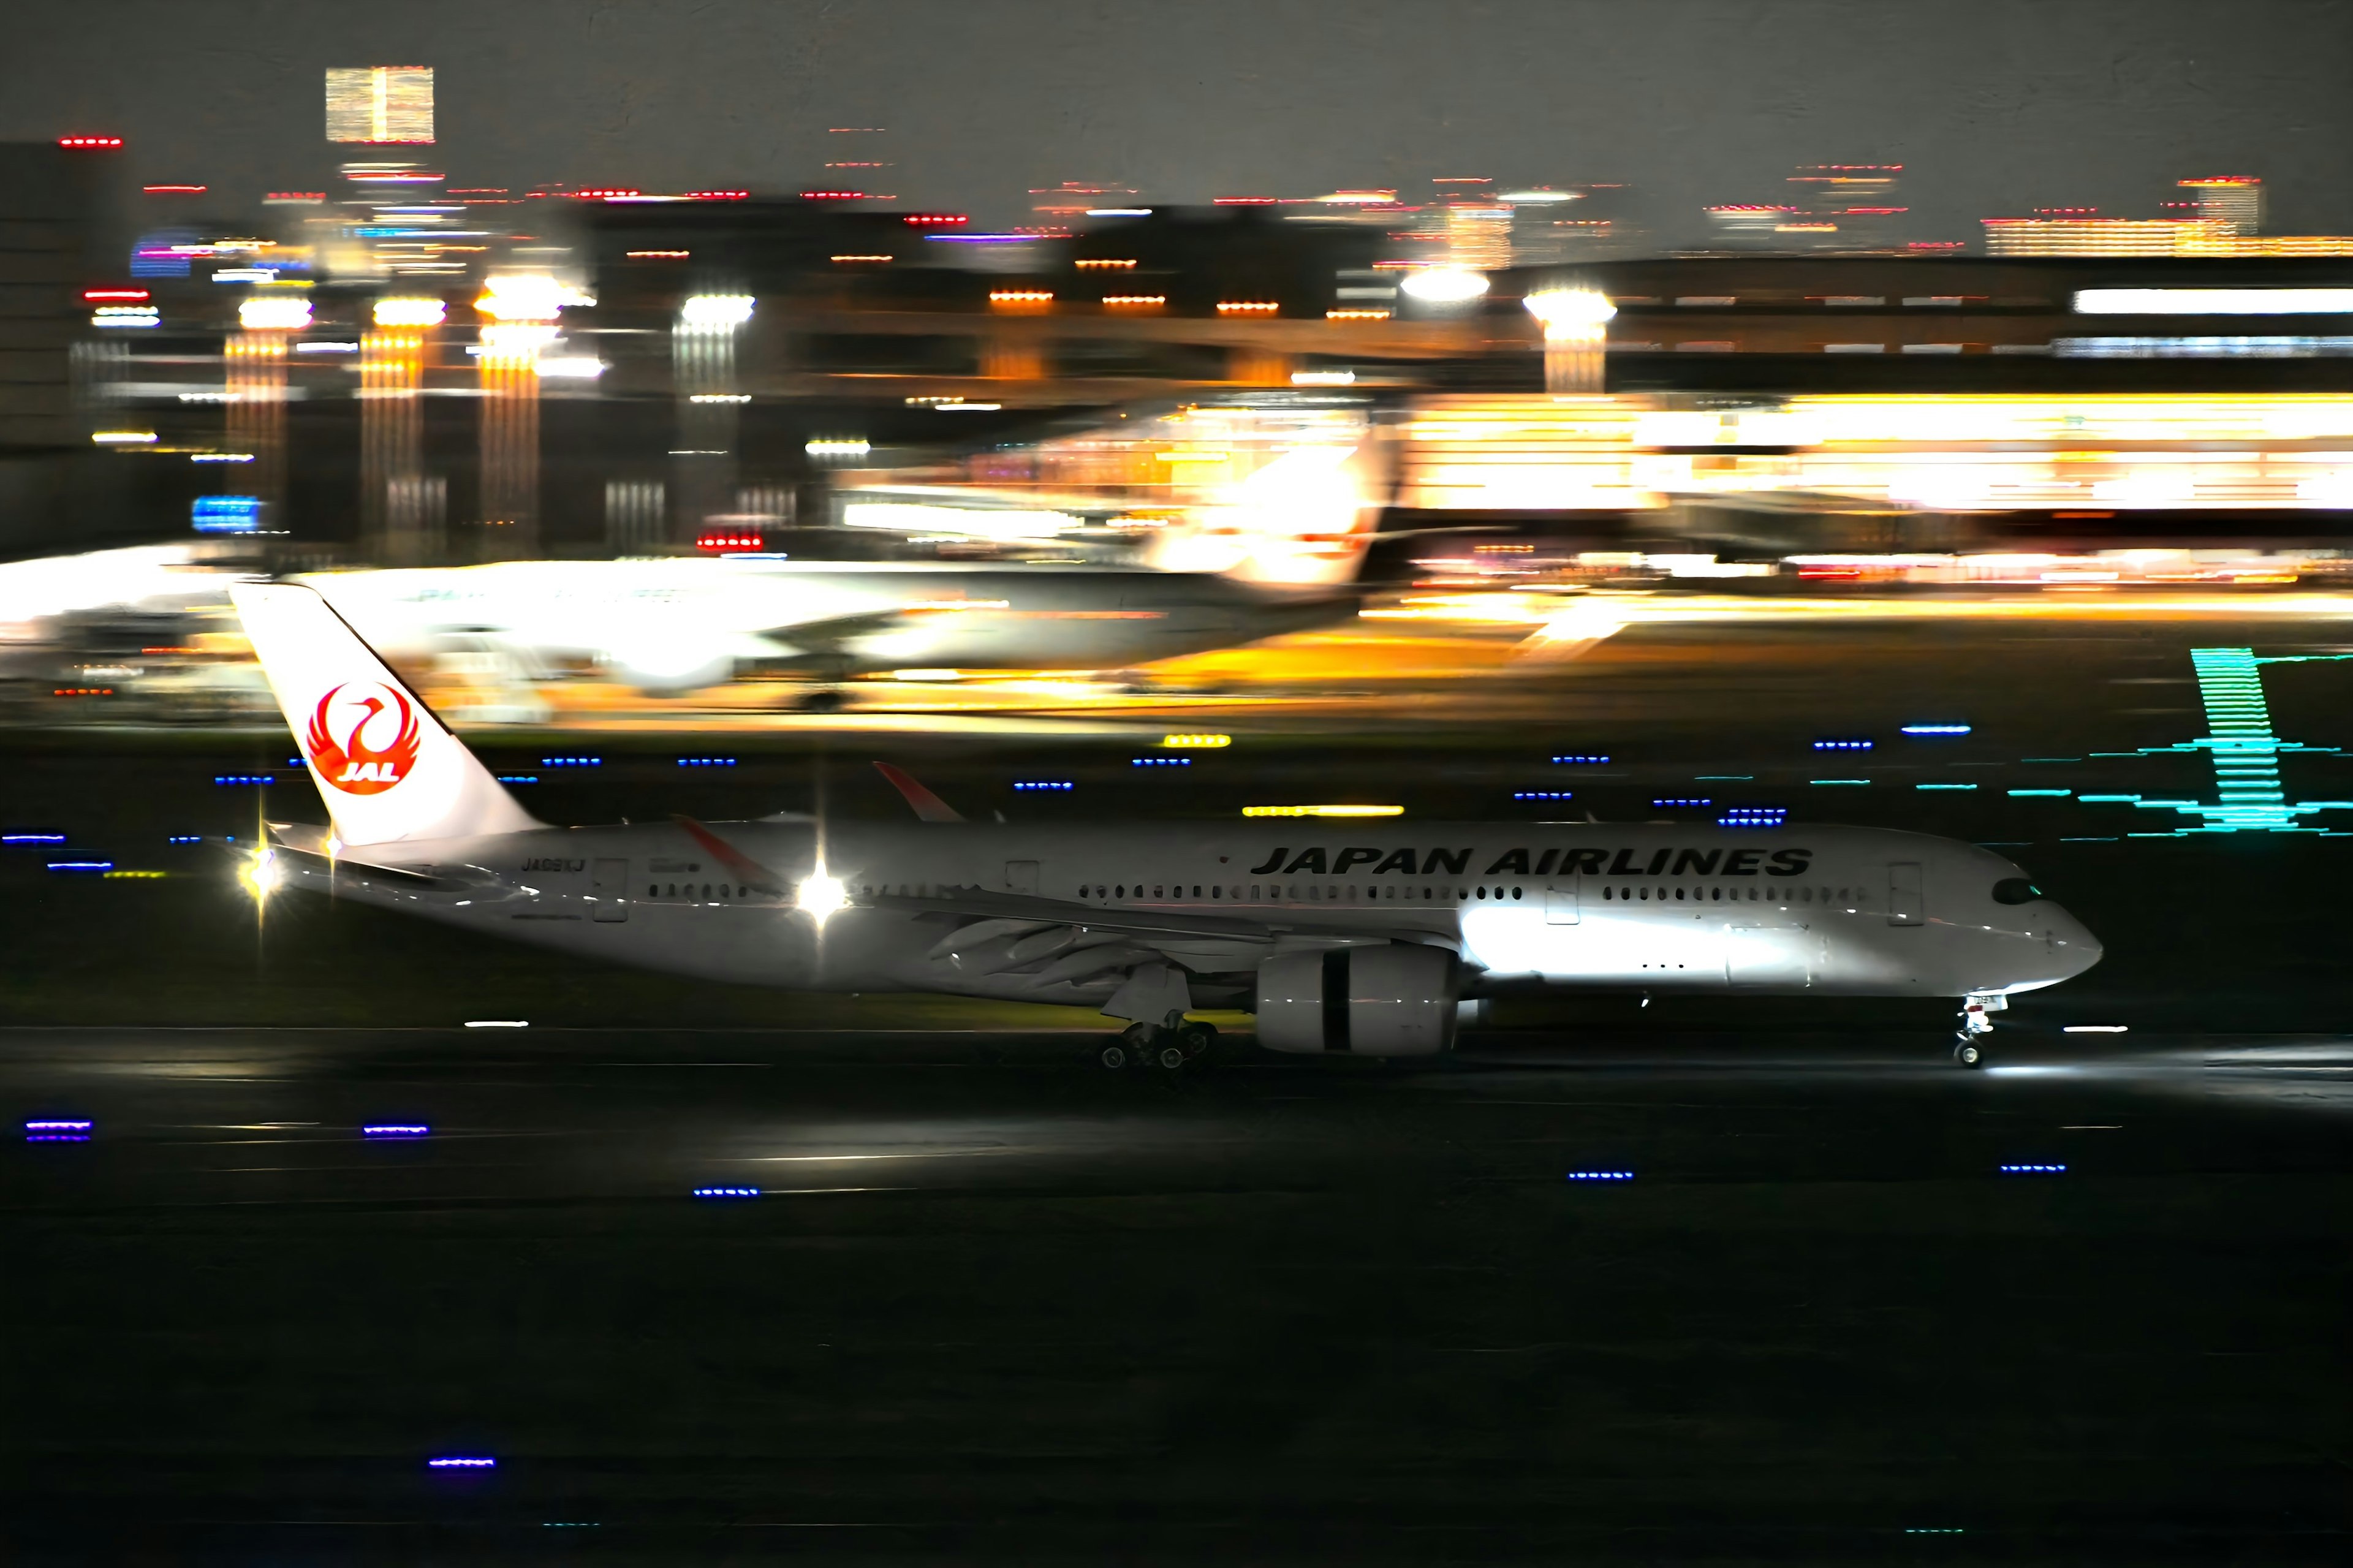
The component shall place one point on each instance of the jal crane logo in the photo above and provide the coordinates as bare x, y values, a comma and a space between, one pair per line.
362, 713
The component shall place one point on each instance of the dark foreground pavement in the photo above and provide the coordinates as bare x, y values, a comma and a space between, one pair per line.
994, 1303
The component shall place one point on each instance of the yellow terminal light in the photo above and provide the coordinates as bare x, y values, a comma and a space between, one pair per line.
1323, 810
1197, 742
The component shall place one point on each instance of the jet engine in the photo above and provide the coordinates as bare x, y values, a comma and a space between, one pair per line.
1397, 1000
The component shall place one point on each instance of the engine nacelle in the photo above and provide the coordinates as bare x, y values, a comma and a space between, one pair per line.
1397, 1000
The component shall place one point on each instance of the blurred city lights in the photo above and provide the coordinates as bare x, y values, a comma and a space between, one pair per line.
2214, 301
409, 312
1444, 285
716, 309
274, 313
1323, 810
527, 297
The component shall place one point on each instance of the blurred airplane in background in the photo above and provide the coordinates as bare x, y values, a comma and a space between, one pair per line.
671, 626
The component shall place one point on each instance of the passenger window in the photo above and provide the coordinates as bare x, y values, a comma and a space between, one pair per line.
1515, 892
650, 893
1121, 890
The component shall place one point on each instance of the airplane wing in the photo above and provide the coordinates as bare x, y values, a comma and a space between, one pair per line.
831, 634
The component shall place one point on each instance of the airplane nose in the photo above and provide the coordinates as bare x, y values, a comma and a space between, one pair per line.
2075, 942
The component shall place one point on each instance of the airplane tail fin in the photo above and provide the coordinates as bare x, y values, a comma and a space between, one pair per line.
928, 808
387, 768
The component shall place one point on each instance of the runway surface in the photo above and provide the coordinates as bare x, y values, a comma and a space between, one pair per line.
992, 1300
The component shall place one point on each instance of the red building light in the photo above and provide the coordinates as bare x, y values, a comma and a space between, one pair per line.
98, 142
833, 195
114, 296
718, 195
933, 220
730, 541
172, 190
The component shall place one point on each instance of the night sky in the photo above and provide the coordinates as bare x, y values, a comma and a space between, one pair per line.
1994, 106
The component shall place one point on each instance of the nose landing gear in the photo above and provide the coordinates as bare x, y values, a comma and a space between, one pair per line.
1976, 1023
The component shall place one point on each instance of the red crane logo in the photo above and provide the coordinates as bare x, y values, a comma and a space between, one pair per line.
352, 765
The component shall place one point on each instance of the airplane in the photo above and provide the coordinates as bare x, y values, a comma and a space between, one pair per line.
1343, 937
672, 626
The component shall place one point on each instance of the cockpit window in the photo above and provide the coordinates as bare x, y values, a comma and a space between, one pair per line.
2015, 890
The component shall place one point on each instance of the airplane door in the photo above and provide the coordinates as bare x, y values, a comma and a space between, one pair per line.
608, 884
1560, 903
1021, 876
1903, 897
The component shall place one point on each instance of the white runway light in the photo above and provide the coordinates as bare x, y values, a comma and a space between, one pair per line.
498, 1024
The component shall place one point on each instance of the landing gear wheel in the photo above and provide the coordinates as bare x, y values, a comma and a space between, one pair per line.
1113, 1055
1968, 1055
1172, 1057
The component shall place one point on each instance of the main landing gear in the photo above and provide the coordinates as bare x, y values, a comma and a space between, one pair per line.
1970, 1042
1172, 1050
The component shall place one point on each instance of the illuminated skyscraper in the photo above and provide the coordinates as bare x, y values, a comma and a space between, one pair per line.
2232, 202
380, 103
1844, 207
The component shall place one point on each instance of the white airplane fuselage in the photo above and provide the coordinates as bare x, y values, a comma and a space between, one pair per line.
1810, 911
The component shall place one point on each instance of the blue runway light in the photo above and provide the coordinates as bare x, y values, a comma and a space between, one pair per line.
1850, 745
1672, 801
396, 1130
571, 761
1935, 729
1602, 1175
1160, 762
32, 839
2062, 793
187, 839
1944, 786
462, 1462
1574, 761
727, 1192
1754, 817
57, 1131
233, 779
1543, 794
518, 778
706, 762
81, 865
1043, 783
2034, 1170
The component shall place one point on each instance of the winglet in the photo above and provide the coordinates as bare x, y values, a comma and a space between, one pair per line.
929, 807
